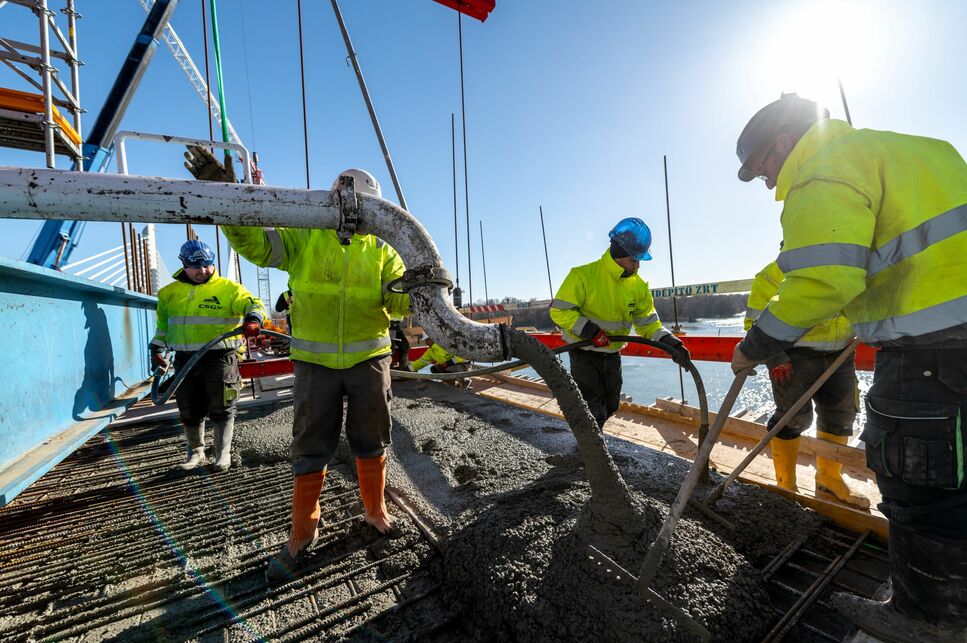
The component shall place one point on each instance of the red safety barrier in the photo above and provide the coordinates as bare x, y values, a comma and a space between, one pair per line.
702, 348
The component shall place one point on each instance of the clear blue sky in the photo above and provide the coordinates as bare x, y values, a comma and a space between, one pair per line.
570, 105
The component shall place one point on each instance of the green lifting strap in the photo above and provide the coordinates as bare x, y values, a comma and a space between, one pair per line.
218, 72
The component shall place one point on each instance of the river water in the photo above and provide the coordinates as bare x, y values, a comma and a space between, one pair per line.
648, 379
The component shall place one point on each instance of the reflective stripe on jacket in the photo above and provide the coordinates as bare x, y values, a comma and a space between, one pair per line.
340, 304
596, 292
190, 315
831, 335
874, 226
435, 354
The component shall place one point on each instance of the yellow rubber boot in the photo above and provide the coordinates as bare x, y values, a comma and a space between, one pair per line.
784, 454
829, 475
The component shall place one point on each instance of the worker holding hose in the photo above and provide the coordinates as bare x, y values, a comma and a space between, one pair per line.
195, 308
792, 372
875, 226
341, 307
608, 297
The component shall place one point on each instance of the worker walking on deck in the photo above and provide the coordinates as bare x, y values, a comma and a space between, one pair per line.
340, 349
195, 308
792, 372
608, 297
400, 344
875, 226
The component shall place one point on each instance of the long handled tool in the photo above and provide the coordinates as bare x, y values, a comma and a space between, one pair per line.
783, 421
656, 552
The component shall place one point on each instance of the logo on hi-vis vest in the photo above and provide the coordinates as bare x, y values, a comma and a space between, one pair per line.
217, 304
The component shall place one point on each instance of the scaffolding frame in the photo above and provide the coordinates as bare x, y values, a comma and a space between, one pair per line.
42, 132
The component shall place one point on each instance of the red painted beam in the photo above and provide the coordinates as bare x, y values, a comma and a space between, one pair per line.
702, 348
479, 9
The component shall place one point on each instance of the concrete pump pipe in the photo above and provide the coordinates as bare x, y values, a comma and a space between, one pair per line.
34, 193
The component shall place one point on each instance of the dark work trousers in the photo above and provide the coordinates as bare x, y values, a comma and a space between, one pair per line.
914, 439
598, 376
318, 395
211, 388
836, 400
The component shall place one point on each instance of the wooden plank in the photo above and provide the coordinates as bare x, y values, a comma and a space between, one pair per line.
675, 434
849, 456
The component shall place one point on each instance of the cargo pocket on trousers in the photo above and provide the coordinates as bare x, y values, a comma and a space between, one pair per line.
919, 443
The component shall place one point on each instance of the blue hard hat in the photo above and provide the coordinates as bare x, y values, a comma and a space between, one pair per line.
196, 254
634, 237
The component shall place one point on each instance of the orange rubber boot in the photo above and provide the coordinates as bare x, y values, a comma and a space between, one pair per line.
305, 511
372, 484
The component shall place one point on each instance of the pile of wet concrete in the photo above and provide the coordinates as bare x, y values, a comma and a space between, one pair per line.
506, 491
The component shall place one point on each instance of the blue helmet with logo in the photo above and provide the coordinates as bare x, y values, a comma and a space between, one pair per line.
634, 237
196, 254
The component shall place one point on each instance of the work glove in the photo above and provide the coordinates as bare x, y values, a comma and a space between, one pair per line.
251, 329
740, 362
680, 354
158, 361
205, 167
780, 369
597, 336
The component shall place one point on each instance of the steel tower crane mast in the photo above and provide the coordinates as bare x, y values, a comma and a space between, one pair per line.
194, 76
57, 239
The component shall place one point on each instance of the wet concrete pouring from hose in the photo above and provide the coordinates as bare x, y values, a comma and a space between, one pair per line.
504, 490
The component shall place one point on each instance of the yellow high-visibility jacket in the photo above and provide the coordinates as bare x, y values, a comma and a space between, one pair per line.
831, 335
435, 354
190, 315
596, 292
340, 302
874, 225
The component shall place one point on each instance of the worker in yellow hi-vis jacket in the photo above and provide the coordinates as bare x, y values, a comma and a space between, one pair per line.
341, 308
608, 297
195, 308
792, 372
875, 227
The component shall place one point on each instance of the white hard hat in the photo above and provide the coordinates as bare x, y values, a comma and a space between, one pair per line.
366, 183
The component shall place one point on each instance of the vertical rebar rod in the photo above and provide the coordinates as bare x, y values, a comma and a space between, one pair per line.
842, 95
124, 244
547, 261
671, 260
456, 234
135, 269
483, 256
146, 270
466, 184
75, 65
45, 74
302, 74
369, 104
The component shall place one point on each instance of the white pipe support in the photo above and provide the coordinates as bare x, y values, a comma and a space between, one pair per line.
36, 193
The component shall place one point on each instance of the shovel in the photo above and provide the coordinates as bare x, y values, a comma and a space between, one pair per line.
783, 421
649, 569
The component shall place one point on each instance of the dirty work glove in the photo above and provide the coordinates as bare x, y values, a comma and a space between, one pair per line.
251, 329
205, 167
158, 361
780, 369
740, 361
680, 355
597, 336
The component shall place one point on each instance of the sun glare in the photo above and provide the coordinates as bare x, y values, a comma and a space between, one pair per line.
815, 43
